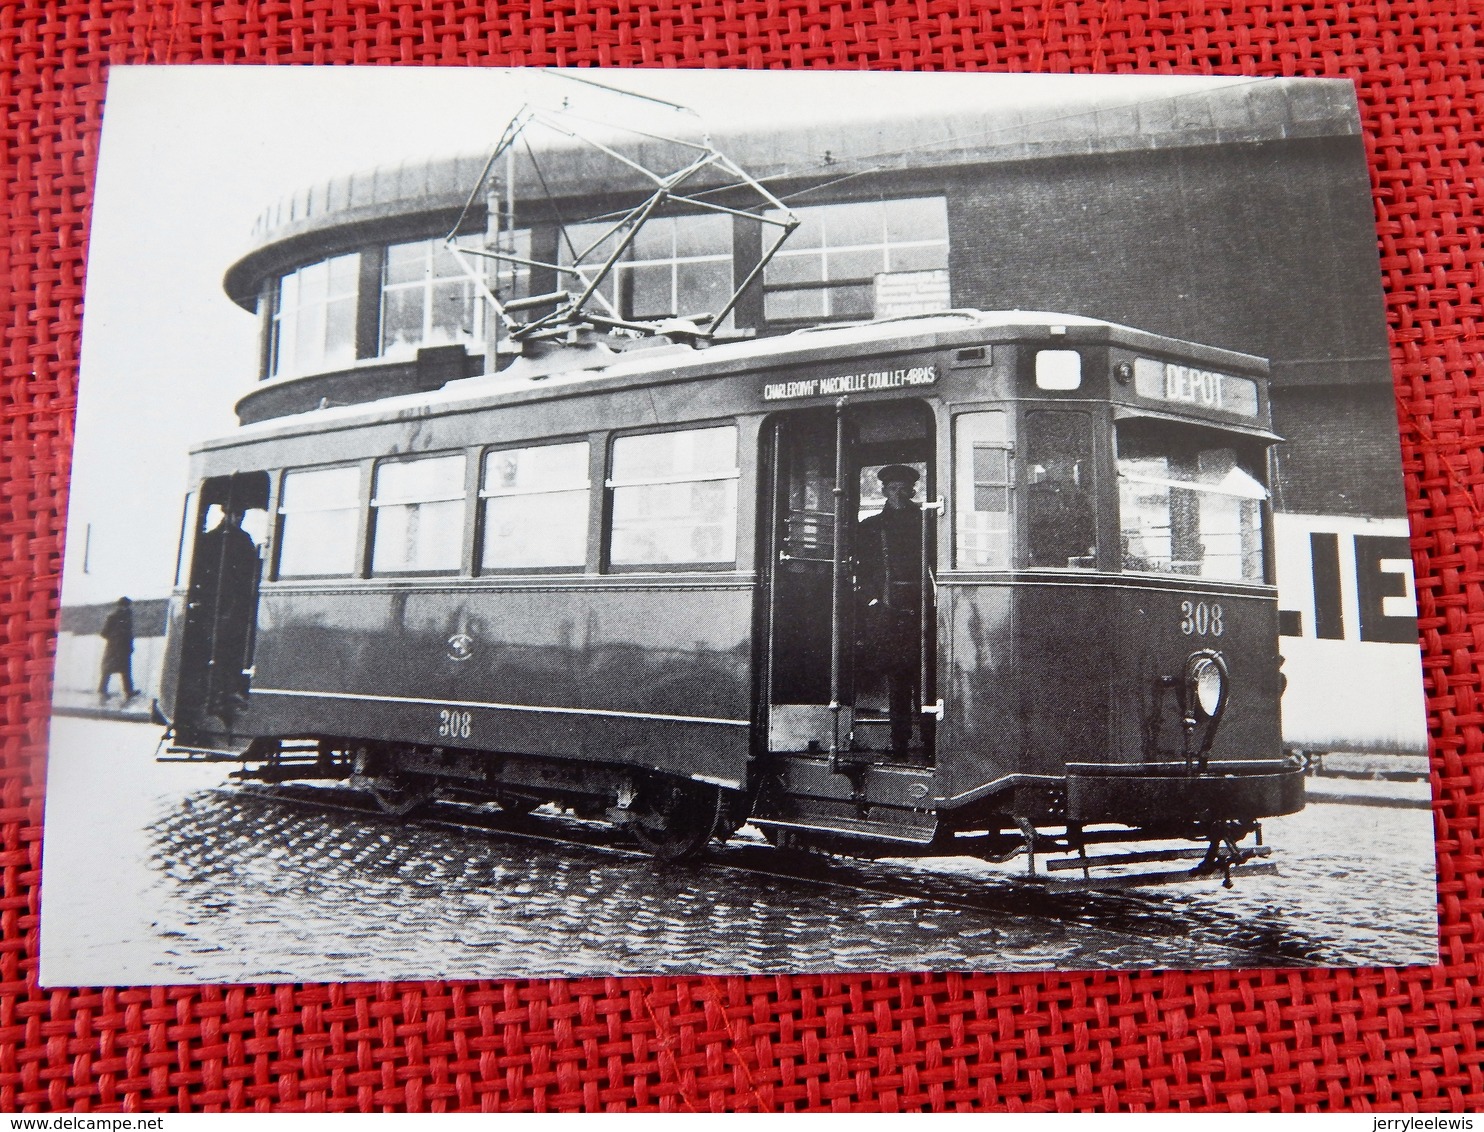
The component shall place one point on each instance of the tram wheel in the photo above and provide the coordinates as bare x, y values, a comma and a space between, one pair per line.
515, 804
398, 795
673, 819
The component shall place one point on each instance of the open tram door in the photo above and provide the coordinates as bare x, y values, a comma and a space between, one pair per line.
225, 529
851, 616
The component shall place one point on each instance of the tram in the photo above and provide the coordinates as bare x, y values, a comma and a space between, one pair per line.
647, 589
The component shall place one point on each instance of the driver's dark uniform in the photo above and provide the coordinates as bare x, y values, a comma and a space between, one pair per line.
888, 549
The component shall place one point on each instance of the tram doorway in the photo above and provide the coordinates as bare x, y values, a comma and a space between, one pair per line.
851, 619
226, 531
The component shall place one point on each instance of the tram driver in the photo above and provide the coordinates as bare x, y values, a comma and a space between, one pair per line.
888, 551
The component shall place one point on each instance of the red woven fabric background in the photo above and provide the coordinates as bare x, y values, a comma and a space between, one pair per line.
1384, 1039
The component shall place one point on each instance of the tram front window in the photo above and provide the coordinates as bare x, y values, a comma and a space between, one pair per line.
1190, 502
1060, 515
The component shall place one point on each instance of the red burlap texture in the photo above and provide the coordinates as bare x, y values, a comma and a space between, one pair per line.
1383, 1039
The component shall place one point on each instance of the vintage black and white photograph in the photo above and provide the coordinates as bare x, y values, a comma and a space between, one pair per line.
539, 523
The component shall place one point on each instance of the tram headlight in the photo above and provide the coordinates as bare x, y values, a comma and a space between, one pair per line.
1208, 683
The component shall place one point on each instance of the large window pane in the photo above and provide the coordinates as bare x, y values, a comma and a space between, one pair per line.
848, 225
1189, 503
703, 288
653, 292
852, 242
313, 324
981, 482
428, 298
925, 218
318, 522
676, 265
793, 305
419, 512
536, 507
701, 236
675, 498
1059, 502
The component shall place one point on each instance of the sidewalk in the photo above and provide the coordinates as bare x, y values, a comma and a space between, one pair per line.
1415, 793
87, 705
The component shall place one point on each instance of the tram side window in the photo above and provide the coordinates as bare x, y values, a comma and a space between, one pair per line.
418, 512
1189, 503
318, 515
674, 498
535, 507
1060, 515
981, 481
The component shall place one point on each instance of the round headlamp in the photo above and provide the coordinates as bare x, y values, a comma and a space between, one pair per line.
1207, 681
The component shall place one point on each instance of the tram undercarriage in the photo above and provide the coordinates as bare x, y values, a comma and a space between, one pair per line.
863, 809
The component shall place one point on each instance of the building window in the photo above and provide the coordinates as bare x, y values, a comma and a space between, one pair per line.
981, 491
318, 520
827, 269
418, 509
677, 266
674, 498
535, 507
314, 318
428, 299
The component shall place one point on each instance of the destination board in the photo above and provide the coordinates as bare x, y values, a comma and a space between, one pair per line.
1187, 385
869, 382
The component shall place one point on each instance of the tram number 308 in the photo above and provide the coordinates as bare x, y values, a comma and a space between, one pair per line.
455, 724
1201, 619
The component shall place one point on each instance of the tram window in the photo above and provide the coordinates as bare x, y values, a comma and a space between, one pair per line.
1059, 503
674, 498
981, 483
1058, 370
187, 539
1189, 503
418, 511
318, 517
535, 507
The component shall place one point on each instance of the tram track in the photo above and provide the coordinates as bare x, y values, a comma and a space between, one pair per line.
1111, 916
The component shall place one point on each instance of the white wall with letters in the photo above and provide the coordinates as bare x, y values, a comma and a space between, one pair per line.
1346, 589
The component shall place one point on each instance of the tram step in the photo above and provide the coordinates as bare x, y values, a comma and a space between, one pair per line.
1143, 880
1106, 859
846, 827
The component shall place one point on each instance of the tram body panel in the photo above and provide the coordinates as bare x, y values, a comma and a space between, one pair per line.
982, 733
1144, 669
586, 672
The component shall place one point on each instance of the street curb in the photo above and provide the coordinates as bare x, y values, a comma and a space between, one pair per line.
77, 711
1322, 796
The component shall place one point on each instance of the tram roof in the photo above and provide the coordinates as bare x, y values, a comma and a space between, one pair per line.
669, 363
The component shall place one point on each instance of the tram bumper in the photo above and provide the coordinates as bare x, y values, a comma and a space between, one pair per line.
1161, 794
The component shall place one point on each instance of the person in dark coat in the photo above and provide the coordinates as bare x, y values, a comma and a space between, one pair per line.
224, 590
888, 550
118, 648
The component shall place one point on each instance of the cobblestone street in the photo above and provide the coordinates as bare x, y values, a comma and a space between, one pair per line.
154, 876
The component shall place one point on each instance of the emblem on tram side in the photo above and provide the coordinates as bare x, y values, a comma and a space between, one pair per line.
460, 646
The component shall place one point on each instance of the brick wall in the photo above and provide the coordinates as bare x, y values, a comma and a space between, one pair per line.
1341, 455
